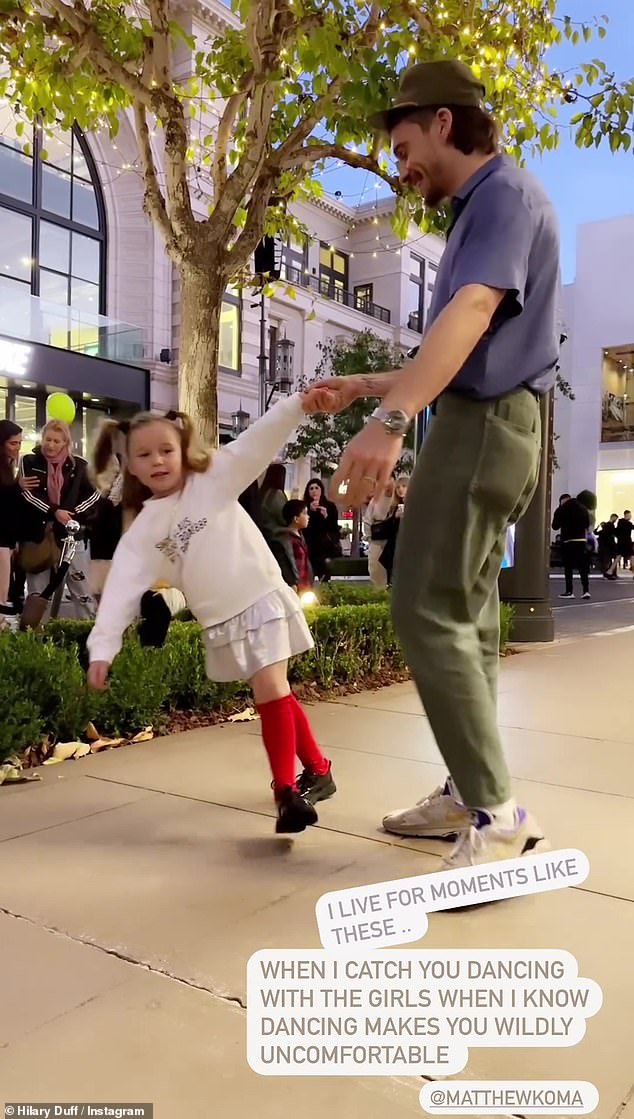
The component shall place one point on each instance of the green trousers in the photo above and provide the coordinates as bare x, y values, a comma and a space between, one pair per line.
476, 474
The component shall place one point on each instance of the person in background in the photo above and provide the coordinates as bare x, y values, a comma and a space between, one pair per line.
108, 523
61, 491
272, 499
322, 534
572, 521
11, 514
381, 525
249, 498
624, 530
295, 516
608, 550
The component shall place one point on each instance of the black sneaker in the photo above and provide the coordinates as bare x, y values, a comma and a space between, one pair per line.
315, 787
294, 813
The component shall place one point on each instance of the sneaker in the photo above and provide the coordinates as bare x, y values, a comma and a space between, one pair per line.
9, 619
567, 594
586, 594
315, 787
294, 813
155, 620
439, 816
485, 842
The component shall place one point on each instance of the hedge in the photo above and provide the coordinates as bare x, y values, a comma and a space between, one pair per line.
42, 676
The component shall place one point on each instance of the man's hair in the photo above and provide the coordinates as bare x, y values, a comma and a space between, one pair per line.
564, 497
472, 129
292, 509
627, 513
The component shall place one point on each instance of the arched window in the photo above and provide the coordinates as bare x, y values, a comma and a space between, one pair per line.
52, 218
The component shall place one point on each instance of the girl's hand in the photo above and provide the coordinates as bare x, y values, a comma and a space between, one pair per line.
316, 400
324, 512
98, 675
63, 516
28, 482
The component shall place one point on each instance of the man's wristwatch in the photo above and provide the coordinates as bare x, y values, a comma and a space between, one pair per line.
394, 422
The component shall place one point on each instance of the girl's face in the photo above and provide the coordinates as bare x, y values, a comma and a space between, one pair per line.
155, 458
400, 490
12, 447
314, 492
53, 443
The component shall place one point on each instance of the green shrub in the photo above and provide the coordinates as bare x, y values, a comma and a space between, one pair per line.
42, 676
507, 613
347, 593
42, 690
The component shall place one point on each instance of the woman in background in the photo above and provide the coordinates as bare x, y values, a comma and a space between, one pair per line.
11, 511
57, 489
272, 499
322, 534
381, 524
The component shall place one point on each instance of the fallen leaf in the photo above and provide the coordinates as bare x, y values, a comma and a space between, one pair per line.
143, 735
92, 733
65, 750
247, 716
84, 748
53, 761
104, 744
15, 775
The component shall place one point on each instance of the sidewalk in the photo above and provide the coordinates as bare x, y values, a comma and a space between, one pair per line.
135, 884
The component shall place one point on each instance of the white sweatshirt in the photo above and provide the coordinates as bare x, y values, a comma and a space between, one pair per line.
200, 540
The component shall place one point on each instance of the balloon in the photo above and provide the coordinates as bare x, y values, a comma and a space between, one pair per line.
59, 406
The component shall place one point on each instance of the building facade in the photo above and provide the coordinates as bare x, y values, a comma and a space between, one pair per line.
90, 302
595, 445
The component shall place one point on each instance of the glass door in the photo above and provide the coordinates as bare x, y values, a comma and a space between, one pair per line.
25, 410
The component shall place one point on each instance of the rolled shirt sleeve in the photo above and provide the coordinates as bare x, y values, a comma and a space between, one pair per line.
496, 247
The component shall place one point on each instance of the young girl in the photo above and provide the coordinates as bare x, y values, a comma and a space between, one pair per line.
191, 529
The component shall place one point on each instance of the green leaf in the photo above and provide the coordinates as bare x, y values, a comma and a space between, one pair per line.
310, 316
291, 292
19, 128
587, 33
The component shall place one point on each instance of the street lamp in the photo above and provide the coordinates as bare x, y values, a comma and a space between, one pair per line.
239, 421
284, 374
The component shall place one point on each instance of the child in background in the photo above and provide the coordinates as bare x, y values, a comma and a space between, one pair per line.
295, 514
187, 514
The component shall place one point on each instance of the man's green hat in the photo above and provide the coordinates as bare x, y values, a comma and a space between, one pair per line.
427, 84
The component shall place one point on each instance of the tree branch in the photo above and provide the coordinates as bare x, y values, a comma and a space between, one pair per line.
312, 153
154, 202
366, 37
79, 20
161, 51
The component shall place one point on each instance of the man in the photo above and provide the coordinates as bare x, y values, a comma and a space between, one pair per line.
489, 353
572, 521
624, 530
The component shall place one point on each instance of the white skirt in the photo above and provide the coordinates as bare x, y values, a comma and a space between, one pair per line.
273, 629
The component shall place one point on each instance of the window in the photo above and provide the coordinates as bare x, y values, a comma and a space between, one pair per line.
229, 347
274, 333
363, 297
333, 273
295, 261
417, 293
52, 223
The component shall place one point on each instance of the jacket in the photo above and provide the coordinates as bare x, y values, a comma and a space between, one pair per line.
199, 539
572, 520
78, 495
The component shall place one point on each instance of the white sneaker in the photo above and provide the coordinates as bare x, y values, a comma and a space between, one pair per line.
439, 816
485, 842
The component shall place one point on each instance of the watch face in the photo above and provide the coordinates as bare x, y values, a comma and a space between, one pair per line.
397, 422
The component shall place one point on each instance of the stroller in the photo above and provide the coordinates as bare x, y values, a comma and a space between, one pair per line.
36, 605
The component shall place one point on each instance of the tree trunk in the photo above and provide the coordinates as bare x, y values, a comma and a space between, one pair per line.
201, 302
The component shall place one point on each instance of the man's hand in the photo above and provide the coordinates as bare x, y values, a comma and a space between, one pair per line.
366, 466
98, 675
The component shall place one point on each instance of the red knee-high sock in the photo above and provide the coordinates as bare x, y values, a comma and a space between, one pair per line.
308, 751
279, 737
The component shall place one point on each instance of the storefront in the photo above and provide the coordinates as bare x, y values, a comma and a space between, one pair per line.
30, 371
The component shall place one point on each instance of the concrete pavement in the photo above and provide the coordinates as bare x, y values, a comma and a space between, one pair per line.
135, 884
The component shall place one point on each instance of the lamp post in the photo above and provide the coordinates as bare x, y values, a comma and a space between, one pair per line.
240, 421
